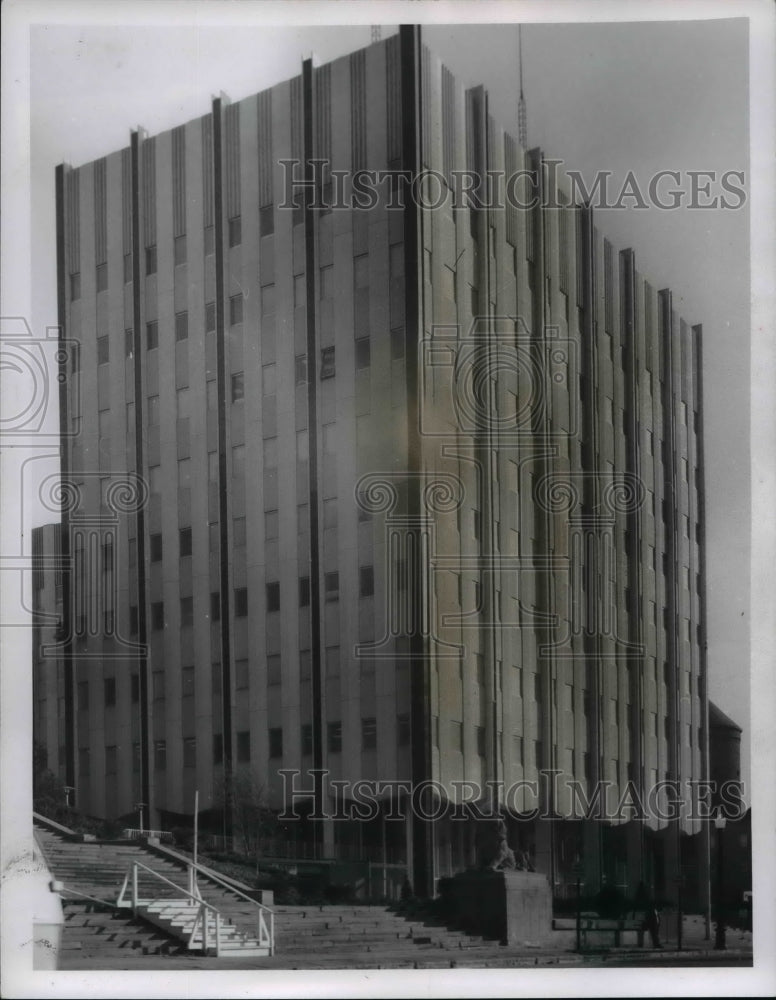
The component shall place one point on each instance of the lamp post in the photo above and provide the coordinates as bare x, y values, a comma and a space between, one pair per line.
719, 939
68, 790
140, 806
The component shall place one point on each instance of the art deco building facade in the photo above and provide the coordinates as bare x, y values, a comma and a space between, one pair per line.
424, 485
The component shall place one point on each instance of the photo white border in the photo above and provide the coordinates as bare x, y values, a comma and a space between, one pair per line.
15, 648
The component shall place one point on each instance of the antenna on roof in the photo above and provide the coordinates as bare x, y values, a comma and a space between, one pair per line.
377, 33
522, 121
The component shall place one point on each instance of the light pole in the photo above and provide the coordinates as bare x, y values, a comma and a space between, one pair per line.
719, 939
140, 806
68, 790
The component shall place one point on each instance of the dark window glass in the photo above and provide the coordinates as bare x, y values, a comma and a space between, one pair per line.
363, 353
187, 611
244, 746
127, 268
235, 309
156, 548
238, 387
366, 581
152, 335
235, 231
267, 220
157, 615
109, 688
369, 734
218, 748
133, 620
189, 752
210, 240
181, 325
135, 687
150, 257
215, 606
75, 286
273, 597
304, 591
334, 737
129, 343
300, 369
276, 742
83, 696
327, 363
180, 250
241, 602
397, 344
102, 277
184, 541
331, 585
160, 755
103, 350
210, 317
307, 739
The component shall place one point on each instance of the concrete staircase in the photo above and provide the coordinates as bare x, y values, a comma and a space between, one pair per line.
93, 873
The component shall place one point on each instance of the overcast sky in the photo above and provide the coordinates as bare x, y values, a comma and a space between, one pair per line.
618, 97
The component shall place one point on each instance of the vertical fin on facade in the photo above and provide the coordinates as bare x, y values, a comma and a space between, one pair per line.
179, 181
511, 166
207, 169
264, 126
322, 119
126, 200
100, 212
522, 114
425, 82
149, 191
393, 98
563, 243
358, 109
448, 125
72, 220
608, 287
232, 156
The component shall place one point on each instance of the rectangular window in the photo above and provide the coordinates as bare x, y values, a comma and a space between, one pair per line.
210, 240
274, 669
327, 283
327, 363
133, 619
300, 369
241, 602
215, 606
300, 291
276, 742
83, 761
110, 760
270, 453
363, 353
331, 586
180, 250
369, 734
189, 752
160, 755
218, 748
109, 691
397, 343
241, 674
156, 547
157, 685
181, 325
306, 739
238, 387
129, 342
103, 350
187, 612
244, 746
127, 268
236, 309
152, 335
334, 737
238, 532
157, 615
273, 596
75, 286
102, 277
135, 687
304, 591
235, 231
267, 220
302, 446
267, 300
269, 380
271, 524
366, 581
182, 403
150, 260
210, 317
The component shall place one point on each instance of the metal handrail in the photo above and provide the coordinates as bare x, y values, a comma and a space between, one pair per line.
209, 874
200, 903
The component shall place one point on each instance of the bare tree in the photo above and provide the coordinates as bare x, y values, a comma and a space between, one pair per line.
246, 798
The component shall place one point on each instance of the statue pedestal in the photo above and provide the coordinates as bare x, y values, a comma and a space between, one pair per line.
512, 906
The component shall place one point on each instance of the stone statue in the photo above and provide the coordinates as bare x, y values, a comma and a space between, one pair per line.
504, 856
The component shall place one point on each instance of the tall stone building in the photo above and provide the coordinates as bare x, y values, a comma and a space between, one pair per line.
382, 480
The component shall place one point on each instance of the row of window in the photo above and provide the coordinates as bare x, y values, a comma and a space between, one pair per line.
272, 594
